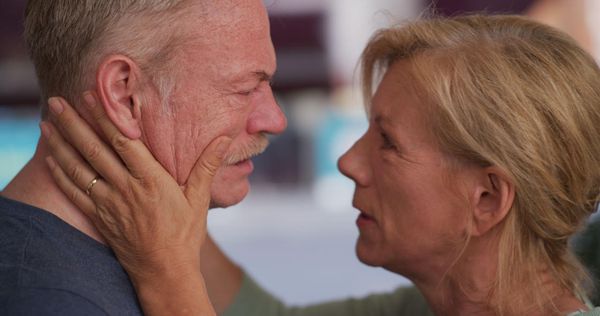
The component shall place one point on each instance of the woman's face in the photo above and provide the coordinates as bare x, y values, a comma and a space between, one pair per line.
412, 216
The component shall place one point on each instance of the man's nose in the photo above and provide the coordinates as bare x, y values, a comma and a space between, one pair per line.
267, 117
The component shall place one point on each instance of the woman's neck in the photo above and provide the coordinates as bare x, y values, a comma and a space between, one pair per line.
466, 288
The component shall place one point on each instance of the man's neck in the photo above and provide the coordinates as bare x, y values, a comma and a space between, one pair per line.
34, 185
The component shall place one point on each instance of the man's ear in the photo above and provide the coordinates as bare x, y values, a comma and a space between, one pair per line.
118, 81
493, 197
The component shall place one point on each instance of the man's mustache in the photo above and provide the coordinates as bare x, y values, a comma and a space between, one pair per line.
255, 147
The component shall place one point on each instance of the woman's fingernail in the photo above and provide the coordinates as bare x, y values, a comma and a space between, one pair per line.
89, 99
51, 163
55, 105
46, 131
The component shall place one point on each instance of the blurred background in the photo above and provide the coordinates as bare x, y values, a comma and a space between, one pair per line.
295, 232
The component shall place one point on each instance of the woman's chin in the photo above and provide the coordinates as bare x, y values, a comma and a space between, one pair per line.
367, 254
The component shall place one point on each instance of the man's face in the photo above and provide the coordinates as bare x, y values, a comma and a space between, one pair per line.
221, 88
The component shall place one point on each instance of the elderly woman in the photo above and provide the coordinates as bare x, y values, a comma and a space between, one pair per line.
480, 162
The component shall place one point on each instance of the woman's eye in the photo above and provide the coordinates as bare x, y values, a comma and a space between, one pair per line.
386, 142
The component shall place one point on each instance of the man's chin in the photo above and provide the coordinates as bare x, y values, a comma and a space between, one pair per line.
222, 204
226, 197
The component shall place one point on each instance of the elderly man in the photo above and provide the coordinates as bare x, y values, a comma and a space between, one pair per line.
175, 73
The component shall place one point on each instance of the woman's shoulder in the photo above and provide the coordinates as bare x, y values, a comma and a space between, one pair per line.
593, 312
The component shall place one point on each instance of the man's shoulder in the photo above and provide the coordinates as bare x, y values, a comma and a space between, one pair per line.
39, 253
15, 230
32, 239
35, 239
43, 301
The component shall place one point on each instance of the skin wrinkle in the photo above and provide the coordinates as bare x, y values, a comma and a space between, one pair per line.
402, 190
196, 109
177, 156
138, 47
254, 147
206, 102
453, 85
152, 148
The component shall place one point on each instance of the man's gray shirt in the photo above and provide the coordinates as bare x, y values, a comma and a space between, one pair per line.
48, 267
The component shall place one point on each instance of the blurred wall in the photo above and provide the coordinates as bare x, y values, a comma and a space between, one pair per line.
453, 7
17, 78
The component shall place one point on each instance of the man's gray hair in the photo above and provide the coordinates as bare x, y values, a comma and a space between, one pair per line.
66, 39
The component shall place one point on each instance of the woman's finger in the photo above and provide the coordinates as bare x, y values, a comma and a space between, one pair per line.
79, 172
133, 152
197, 190
72, 191
86, 142
86, 201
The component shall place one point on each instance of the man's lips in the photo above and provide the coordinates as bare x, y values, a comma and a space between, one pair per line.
231, 161
240, 162
245, 166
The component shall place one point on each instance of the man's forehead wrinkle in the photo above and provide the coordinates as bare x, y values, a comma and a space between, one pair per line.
210, 18
219, 32
227, 15
231, 44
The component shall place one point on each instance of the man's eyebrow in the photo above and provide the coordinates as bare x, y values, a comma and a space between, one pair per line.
258, 75
263, 76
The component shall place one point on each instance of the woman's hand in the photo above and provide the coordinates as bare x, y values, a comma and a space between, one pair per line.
155, 228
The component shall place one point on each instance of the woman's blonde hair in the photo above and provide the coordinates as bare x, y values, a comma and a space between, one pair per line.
512, 93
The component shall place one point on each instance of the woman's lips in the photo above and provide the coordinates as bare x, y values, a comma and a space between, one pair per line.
364, 220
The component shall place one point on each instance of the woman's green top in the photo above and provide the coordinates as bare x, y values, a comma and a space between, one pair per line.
252, 300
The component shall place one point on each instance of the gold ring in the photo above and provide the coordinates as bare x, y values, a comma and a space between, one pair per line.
88, 190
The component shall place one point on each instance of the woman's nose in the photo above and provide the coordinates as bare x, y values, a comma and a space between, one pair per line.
353, 165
